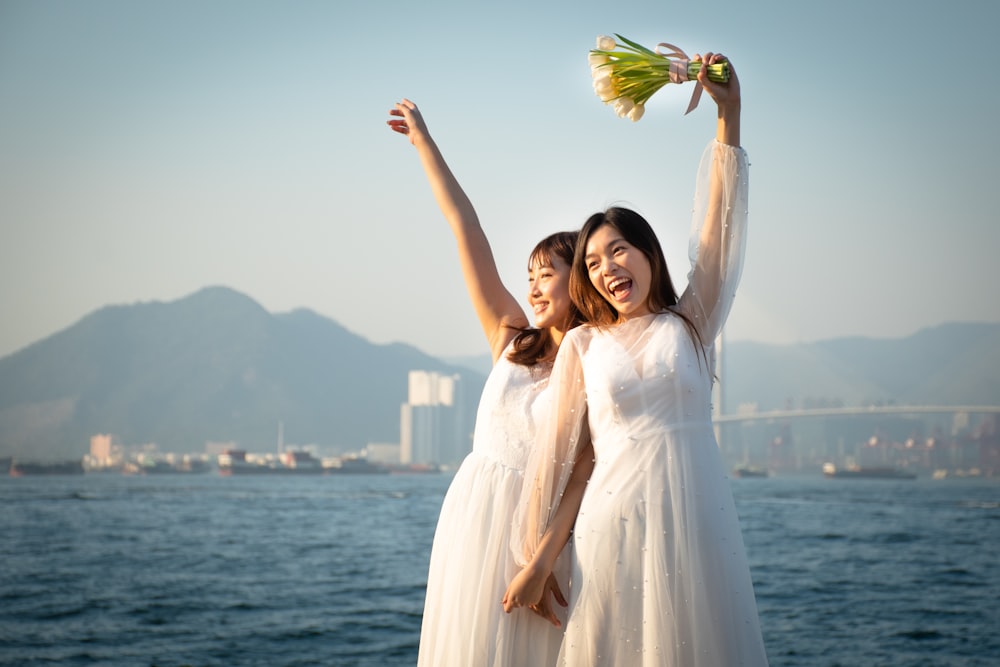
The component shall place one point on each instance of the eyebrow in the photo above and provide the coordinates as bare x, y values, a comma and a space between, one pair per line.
616, 239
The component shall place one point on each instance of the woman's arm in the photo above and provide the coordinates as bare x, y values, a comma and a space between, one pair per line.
529, 585
497, 309
720, 213
727, 99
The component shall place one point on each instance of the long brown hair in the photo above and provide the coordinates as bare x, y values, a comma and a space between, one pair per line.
533, 345
639, 234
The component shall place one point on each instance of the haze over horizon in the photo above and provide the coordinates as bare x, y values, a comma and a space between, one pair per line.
150, 150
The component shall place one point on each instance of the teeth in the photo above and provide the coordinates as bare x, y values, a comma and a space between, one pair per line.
616, 283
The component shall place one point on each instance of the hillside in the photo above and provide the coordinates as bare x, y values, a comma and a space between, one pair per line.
951, 364
214, 366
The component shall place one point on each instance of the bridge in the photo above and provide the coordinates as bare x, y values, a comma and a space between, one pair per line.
773, 415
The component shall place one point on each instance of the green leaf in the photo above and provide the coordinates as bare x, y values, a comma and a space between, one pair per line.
638, 47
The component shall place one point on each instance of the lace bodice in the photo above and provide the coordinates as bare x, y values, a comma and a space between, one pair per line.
513, 403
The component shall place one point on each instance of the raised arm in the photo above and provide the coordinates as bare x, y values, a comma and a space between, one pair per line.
720, 213
496, 307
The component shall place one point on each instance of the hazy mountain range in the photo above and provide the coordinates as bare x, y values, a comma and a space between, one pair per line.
216, 366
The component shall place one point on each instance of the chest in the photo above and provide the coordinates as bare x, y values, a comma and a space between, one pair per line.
652, 373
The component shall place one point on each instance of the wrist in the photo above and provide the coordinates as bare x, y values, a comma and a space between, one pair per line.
543, 560
728, 131
730, 111
421, 139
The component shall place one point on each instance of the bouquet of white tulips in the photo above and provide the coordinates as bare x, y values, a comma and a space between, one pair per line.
626, 75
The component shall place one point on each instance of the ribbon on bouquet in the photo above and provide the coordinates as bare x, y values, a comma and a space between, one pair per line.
679, 62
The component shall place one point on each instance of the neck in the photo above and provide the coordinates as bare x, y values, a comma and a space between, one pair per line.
557, 333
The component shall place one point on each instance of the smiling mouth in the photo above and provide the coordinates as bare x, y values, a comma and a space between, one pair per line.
620, 288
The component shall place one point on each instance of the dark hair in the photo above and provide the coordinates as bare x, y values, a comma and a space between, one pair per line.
639, 234
532, 345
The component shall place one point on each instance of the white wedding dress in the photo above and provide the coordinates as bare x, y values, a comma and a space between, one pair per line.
659, 575
464, 624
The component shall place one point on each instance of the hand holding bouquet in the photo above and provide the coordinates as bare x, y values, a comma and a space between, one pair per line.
626, 75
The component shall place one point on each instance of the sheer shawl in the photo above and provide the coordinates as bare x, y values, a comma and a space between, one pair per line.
718, 241
558, 442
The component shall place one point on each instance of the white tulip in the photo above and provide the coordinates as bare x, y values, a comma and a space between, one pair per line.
636, 112
597, 59
623, 105
604, 88
605, 43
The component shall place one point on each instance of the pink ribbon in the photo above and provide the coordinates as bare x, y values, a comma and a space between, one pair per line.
679, 62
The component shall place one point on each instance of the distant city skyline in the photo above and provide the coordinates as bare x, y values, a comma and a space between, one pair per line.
148, 150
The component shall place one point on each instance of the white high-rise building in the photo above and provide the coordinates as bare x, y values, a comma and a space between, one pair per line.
430, 388
432, 422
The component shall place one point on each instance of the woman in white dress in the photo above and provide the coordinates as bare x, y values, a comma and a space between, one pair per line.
659, 574
471, 562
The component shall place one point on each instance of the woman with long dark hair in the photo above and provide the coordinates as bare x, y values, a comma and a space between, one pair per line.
659, 575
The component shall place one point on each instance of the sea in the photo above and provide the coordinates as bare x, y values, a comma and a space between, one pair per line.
199, 569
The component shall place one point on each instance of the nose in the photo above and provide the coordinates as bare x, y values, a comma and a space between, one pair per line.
533, 288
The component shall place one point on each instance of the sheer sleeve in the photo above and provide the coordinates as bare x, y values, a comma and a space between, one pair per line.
558, 442
718, 238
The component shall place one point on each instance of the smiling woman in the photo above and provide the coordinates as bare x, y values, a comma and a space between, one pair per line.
471, 562
659, 573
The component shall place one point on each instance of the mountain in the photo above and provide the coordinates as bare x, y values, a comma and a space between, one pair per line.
214, 366
950, 364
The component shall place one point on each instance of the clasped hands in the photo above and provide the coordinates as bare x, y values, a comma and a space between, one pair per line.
532, 588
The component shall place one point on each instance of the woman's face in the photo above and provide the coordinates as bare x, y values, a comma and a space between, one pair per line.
619, 271
548, 292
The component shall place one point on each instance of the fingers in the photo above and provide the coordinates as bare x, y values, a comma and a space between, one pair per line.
553, 585
510, 602
402, 112
707, 60
545, 612
398, 126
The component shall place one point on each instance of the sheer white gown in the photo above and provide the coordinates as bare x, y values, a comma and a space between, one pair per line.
659, 574
464, 624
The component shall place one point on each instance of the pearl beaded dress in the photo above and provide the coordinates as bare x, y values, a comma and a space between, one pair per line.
659, 572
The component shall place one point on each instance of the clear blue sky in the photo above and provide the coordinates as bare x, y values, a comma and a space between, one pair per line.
148, 149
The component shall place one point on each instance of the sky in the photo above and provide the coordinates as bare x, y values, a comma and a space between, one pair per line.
150, 149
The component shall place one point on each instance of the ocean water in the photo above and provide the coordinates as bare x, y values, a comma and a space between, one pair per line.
203, 570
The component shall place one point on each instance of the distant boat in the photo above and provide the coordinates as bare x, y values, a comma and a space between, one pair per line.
356, 465
160, 467
18, 469
866, 472
750, 471
236, 462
